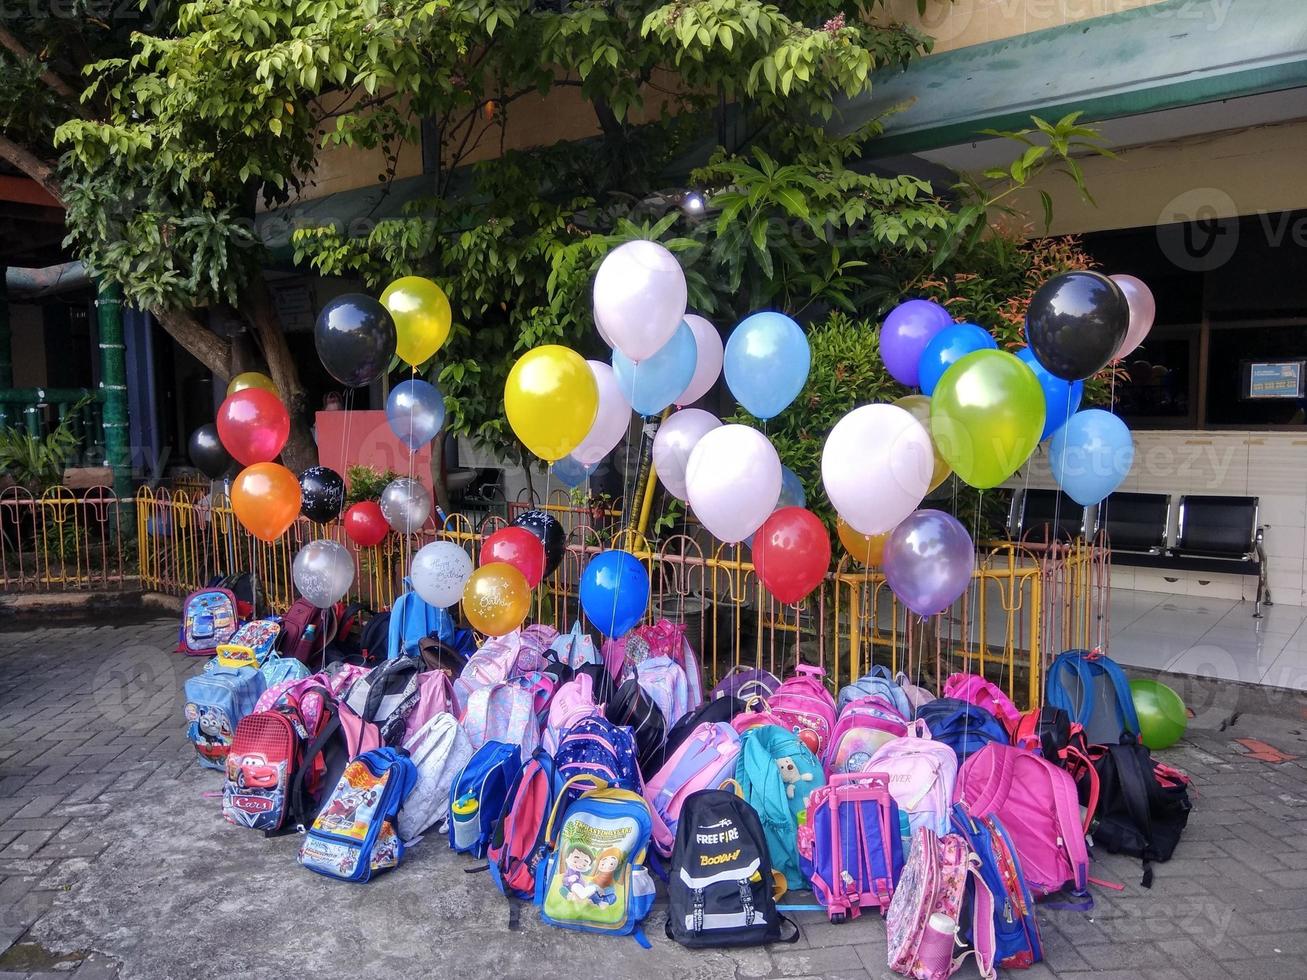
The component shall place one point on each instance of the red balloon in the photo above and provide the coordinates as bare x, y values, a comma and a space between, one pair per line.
792, 553
365, 524
518, 547
253, 425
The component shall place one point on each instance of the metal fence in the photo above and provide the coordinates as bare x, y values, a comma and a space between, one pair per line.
65, 540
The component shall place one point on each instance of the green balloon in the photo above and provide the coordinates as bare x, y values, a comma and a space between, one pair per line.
1162, 717
986, 416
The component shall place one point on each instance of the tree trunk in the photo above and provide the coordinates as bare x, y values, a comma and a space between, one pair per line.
301, 451
438, 472
205, 345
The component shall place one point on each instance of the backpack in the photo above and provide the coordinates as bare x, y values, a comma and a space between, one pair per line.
1050, 733
478, 794
439, 749
703, 761
1143, 805
718, 709
594, 876
1037, 803
745, 683
518, 843
435, 696
251, 645
411, 618
573, 701
633, 708
243, 586
574, 648
921, 775
667, 639
305, 632
917, 696
719, 890
296, 692
597, 748
924, 920
974, 689
1017, 944
278, 669
216, 701
664, 681
1093, 690
863, 727
340, 737
805, 707
386, 696
503, 713
877, 682
354, 836
776, 772
964, 728
850, 845
208, 620
500, 659
265, 752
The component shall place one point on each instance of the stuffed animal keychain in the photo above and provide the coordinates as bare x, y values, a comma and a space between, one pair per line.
790, 774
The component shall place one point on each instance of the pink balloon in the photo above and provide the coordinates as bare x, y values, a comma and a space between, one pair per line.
1143, 309
639, 296
876, 467
611, 420
676, 439
708, 367
733, 481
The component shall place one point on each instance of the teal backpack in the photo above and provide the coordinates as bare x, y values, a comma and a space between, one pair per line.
411, 620
776, 772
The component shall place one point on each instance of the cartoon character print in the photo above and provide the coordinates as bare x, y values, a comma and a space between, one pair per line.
344, 806
385, 853
578, 862
605, 872
210, 725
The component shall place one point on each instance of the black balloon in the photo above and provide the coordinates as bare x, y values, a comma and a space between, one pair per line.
207, 452
1075, 323
322, 494
550, 533
355, 337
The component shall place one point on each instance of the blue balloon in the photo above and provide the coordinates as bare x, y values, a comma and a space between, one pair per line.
571, 473
766, 363
614, 592
1091, 455
946, 348
416, 412
1061, 398
654, 383
792, 495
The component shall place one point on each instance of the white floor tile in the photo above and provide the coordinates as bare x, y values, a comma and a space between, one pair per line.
1279, 618
1146, 648
1232, 661
1289, 669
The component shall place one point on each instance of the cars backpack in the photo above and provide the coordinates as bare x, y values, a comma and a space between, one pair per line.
517, 845
208, 620
1093, 690
805, 707
877, 682
703, 761
1017, 943
964, 728
921, 775
439, 749
306, 631
265, 751
354, 835
216, 701
251, 645
633, 708
719, 885
503, 713
386, 696
478, 794
596, 747
863, 727
974, 689
746, 683
663, 679
1143, 805
776, 772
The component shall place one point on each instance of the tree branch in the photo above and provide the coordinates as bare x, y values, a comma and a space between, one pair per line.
205, 345
52, 81
29, 163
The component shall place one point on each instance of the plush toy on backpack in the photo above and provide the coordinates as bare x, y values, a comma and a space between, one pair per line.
776, 772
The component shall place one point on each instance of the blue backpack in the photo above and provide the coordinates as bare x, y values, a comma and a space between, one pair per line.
412, 619
215, 701
1093, 690
1016, 930
478, 795
353, 835
776, 772
877, 682
597, 748
964, 728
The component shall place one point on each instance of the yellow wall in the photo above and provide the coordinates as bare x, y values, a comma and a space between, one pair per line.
960, 23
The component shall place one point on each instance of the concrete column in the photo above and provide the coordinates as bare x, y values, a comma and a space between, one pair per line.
113, 384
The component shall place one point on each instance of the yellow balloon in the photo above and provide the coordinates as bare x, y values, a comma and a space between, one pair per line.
422, 317
251, 379
551, 400
869, 549
918, 406
496, 599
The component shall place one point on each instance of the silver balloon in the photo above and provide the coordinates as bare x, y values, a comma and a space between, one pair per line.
406, 505
323, 572
440, 572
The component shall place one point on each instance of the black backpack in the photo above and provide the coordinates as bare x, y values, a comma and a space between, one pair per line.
719, 889
719, 709
1142, 807
632, 707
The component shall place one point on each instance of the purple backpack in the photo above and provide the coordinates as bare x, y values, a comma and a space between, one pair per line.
665, 682
703, 761
502, 713
746, 683
863, 727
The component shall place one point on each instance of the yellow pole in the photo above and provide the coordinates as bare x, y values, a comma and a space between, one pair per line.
650, 484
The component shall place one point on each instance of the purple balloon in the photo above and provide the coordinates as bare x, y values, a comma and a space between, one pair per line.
928, 561
907, 330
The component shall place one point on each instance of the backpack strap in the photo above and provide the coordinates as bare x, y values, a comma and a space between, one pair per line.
984, 941
584, 777
1135, 792
1124, 698
698, 752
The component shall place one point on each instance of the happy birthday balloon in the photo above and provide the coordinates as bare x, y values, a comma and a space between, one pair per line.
207, 453
551, 400
1076, 322
677, 436
612, 419
876, 466
907, 329
708, 359
323, 572
948, 347
1061, 398
440, 572
406, 505
652, 384
766, 363
322, 494
1143, 310
639, 296
1091, 455
355, 338
251, 379
253, 425
265, 498
733, 481
928, 561
422, 317
496, 599
415, 411
791, 552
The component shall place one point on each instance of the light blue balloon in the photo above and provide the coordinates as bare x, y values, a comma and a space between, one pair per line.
416, 412
766, 363
1091, 455
1061, 398
792, 495
948, 347
570, 473
654, 383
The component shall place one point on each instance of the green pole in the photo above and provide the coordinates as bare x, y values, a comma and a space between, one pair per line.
6, 338
113, 382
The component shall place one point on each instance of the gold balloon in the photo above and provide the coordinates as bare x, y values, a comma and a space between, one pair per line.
251, 379
496, 599
868, 549
422, 317
551, 400
918, 406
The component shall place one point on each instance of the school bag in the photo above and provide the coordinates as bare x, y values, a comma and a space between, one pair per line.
718, 709
1093, 690
277, 670
574, 648
776, 772
1037, 803
664, 681
306, 631
1049, 732
964, 728
208, 620
1017, 944
341, 736
974, 689
703, 761
439, 749
412, 618
251, 645
594, 877
746, 683
923, 924
805, 707
863, 727
216, 701
877, 682
719, 886
633, 708
598, 748
850, 846
386, 696
921, 775
573, 701
667, 639
517, 845
354, 835
435, 696
502, 713
755, 715
265, 752
500, 659
916, 695
478, 794
1143, 805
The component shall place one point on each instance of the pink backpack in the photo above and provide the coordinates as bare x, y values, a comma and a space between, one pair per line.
704, 760
805, 707
974, 689
664, 681
668, 639
503, 657
863, 727
923, 926
572, 702
306, 694
917, 695
502, 713
1037, 803
922, 774
435, 695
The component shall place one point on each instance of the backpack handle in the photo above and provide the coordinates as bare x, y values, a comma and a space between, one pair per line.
807, 670
919, 729
734, 785
584, 777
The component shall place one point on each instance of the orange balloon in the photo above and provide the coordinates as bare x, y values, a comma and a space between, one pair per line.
496, 599
266, 499
869, 549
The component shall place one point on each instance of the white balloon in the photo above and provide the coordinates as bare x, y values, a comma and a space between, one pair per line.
439, 573
603, 334
639, 296
677, 436
733, 481
323, 572
876, 467
611, 420
1143, 308
406, 505
708, 368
